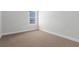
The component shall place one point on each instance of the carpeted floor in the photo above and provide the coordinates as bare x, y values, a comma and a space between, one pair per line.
36, 39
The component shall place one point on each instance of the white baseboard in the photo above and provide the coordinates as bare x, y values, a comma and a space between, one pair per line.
13, 32
16, 32
63, 36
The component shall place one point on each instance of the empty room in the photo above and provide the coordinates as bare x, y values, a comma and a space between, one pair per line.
39, 28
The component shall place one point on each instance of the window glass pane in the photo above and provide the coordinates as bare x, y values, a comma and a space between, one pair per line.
32, 13
32, 20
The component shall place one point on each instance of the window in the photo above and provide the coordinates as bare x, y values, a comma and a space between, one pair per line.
32, 16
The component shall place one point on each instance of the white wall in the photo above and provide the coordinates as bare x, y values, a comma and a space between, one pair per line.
0, 24
61, 22
14, 21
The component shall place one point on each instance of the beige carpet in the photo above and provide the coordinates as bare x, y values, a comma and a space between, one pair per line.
36, 39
